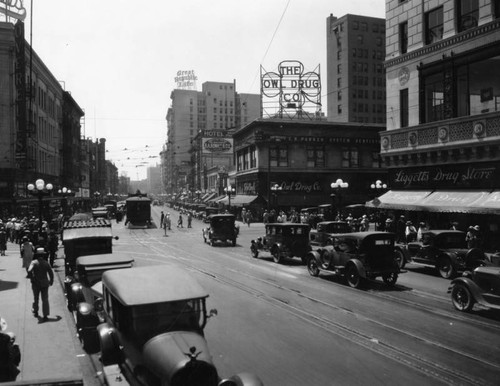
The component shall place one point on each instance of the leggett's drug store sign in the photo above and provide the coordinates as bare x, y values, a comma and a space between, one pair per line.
461, 176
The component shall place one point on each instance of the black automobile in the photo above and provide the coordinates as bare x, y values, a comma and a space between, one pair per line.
357, 257
283, 240
325, 232
222, 228
84, 293
481, 286
446, 250
154, 330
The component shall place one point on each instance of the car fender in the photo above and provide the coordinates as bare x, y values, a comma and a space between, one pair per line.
111, 348
75, 295
474, 289
242, 379
359, 266
404, 250
316, 256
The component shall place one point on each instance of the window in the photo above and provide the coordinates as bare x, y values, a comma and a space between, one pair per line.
496, 9
339, 109
253, 157
278, 155
360, 39
315, 156
339, 82
403, 37
434, 25
403, 107
467, 14
339, 95
355, 25
339, 69
350, 157
339, 55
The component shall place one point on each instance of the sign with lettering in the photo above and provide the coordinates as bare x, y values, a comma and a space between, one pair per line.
478, 175
186, 80
300, 186
21, 107
291, 88
13, 8
217, 145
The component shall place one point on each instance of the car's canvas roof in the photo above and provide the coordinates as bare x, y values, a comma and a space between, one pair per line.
152, 284
104, 259
87, 233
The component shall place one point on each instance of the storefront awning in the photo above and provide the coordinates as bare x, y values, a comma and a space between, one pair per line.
455, 201
208, 196
239, 200
215, 199
399, 200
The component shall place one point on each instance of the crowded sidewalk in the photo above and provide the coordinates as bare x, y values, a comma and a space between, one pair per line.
48, 347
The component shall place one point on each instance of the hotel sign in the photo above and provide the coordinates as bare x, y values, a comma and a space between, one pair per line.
217, 145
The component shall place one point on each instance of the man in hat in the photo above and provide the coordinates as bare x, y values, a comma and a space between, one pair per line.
42, 277
10, 355
389, 225
400, 230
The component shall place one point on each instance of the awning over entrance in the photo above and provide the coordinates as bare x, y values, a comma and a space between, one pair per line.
208, 196
239, 200
399, 200
454, 201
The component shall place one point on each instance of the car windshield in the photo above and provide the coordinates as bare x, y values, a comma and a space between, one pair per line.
146, 321
451, 240
222, 223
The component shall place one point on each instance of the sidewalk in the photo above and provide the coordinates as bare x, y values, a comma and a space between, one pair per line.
48, 352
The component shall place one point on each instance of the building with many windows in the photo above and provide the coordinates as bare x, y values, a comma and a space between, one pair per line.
355, 55
442, 144
217, 108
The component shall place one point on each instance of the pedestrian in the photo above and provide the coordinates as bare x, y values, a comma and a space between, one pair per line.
400, 230
248, 217
364, 223
162, 217
52, 246
389, 225
10, 355
265, 217
190, 219
168, 221
410, 232
179, 221
421, 229
42, 277
164, 226
27, 251
3, 240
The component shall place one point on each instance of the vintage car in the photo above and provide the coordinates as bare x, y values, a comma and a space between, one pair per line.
209, 211
283, 240
446, 250
357, 257
86, 237
325, 232
222, 228
84, 293
153, 334
481, 286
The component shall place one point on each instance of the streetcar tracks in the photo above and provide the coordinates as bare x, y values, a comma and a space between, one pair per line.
345, 330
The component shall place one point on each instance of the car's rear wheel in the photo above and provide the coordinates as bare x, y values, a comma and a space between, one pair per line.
276, 255
390, 279
353, 277
255, 251
312, 267
400, 258
446, 268
461, 297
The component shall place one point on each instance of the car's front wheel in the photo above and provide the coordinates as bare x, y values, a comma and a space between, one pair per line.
353, 277
390, 279
400, 258
446, 268
312, 267
461, 298
255, 251
276, 255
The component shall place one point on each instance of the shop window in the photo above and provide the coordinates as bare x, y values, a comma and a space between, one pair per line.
434, 25
467, 14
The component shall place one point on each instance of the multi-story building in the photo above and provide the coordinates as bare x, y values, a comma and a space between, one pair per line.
218, 107
442, 141
39, 122
355, 55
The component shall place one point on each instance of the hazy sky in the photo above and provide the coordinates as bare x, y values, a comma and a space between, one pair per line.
118, 58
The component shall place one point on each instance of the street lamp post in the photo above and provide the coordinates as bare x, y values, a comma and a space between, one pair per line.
40, 189
229, 190
198, 195
64, 192
338, 185
275, 189
97, 195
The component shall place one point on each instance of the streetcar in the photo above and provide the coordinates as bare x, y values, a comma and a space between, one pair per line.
138, 210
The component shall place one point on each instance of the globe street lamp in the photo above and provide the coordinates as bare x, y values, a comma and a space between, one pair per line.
378, 185
40, 189
65, 193
338, 185
275, 189
97, 195
229, 190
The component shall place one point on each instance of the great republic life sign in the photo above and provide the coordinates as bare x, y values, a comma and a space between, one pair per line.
292, 86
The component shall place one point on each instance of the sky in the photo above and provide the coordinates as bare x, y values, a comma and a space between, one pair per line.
119, 58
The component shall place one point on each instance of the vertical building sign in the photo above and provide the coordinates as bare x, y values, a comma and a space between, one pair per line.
20, 83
